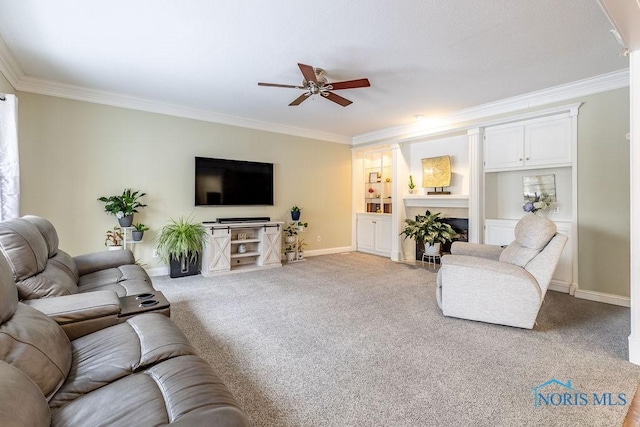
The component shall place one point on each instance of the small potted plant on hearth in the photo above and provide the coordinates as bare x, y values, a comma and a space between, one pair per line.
429, 230
123, 206
180, 244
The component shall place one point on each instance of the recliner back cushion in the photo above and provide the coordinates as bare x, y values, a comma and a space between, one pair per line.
8, 291
24, 246
532, 234
47, 230
21, 402
55, 280
37, 345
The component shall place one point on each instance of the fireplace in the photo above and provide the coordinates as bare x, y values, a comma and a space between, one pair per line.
459, 225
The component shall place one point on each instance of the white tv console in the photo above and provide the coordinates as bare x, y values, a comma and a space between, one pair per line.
241, 246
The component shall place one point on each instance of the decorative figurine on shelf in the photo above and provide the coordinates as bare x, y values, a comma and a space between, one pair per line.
371, 191
412, 186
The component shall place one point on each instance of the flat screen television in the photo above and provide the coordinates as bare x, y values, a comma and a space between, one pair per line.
222, 182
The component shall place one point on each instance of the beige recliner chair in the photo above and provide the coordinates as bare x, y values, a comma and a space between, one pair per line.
504, 286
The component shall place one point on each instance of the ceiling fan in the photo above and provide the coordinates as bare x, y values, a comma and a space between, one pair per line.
315, 83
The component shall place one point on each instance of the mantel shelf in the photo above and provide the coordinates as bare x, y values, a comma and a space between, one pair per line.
444, 201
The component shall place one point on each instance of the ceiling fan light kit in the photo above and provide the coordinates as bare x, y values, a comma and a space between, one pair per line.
314, 83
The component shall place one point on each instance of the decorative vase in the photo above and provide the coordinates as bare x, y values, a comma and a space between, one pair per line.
295, 215
126, 220
242, 248
137, 235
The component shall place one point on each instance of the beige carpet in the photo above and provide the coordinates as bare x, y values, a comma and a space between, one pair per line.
357, 340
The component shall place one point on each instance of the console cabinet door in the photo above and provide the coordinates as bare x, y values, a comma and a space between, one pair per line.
373, 234
271, 243
217, 251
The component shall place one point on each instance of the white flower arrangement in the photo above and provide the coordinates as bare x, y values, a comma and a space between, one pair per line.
539, 202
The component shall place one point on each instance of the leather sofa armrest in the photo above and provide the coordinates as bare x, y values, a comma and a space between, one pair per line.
81, 314
477, 250
96, 261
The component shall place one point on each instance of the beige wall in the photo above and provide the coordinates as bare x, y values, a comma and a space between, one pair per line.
5, 86
72, 152
603, 193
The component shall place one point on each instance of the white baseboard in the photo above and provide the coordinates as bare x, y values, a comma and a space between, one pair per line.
329, 251
157, 271
560, 287
606, 298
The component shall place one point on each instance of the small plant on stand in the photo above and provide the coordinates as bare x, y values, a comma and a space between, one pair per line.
289, 252
295, 213
138, 231
123, 206
301, 246
113, 238
412, 186
290, 232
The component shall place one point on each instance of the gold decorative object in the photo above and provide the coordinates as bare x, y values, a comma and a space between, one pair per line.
436, 172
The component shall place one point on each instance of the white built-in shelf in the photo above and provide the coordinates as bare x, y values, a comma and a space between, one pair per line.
444, 201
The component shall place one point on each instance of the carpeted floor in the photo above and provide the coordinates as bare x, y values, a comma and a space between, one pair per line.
358, 340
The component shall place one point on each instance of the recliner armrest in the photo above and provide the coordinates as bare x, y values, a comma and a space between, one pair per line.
96, 261
81, 314
477, 250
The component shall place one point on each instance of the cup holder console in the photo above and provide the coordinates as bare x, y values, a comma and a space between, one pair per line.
148, 303
144, 296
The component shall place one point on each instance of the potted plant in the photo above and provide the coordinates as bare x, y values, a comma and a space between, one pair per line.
138, 232
411, 184
429, 230
295, 213
123, 206
113, 239
290, 253
301, 246
302, 225
180, 244
290, 232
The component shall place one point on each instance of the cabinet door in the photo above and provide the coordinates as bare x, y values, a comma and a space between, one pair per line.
504, 148
383, 237
217, 251
365, 235
499, 232
270, 252
548, 143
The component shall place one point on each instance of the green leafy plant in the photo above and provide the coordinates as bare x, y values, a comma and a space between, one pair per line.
428, 228
113, 237
123, 205
295, 209
291, 229
140, 227
181, 238
411, 184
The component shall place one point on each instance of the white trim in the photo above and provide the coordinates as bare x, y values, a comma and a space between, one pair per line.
8, 65
431, 201
603, 297
329, 251
559, 287
634, 228
157, 271
590, 86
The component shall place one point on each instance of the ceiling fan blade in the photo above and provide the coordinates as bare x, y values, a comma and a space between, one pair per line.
278, 85
299, 99
336, 98
349, 84
308, 73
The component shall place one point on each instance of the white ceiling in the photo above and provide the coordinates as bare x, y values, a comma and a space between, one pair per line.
428, 57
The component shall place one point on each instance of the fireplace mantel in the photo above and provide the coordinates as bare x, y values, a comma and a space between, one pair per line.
444, 201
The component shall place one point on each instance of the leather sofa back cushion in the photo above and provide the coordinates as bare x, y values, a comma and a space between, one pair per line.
21, 402
36, 345
8, 291
47, 230
24, 246
55, 280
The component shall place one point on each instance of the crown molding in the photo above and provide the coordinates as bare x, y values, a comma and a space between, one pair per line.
8, 65
456, 120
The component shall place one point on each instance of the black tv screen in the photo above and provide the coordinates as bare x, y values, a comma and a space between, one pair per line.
222, 182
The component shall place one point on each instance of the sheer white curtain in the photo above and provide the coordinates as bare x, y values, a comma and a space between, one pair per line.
9, 168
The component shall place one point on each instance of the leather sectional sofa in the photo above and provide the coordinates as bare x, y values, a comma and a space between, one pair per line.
142, 372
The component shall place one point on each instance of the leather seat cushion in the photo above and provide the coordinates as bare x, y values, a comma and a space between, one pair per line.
36, 345
175, 389
107, 355
21, 401
118, 275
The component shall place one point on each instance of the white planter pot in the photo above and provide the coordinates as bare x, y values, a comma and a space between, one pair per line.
432, 249
289, 239
290, 256
114, 247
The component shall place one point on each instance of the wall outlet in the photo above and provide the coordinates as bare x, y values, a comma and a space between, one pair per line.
155, 253
317, 238
556, 209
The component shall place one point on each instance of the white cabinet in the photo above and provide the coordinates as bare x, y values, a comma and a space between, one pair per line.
378, 170
536, 143
241, 246
373, 233
501, 232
